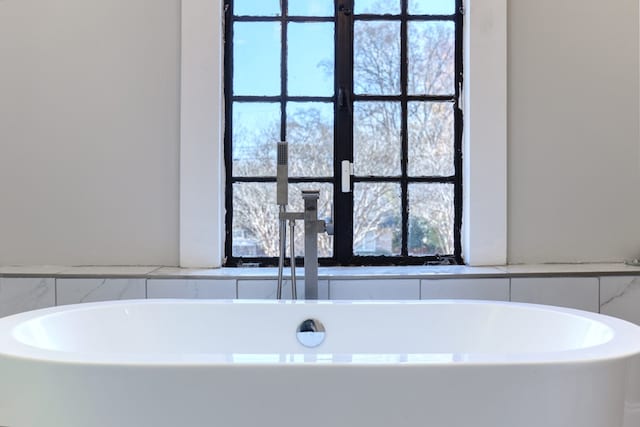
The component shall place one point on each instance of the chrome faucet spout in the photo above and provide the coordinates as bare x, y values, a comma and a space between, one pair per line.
312, 226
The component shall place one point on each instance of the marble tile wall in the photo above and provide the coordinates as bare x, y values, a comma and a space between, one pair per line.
572, 292
620, 297
267, 289
617, 296
74, 291
496, 289
191, 289
25, 294
399, 289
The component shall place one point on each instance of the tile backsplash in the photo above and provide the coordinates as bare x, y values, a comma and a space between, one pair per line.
573, 292
493, 289
375, 289
615, 295
620, 297
191, 289
74, 291
268, 289
24, 294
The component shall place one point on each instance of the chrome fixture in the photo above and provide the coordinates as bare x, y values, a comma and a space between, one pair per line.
282, 199
312, 227
311, 333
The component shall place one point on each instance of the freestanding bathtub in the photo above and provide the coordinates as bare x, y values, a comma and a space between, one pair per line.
170, 363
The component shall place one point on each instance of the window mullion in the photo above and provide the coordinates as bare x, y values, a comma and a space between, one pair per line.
458, 190
228, 117
404, 156
283, 69
343, 142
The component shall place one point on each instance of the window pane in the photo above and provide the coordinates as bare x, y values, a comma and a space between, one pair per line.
256, 50
310, 137
256, 7
311, 8
378, 7
256, 131
431, 144
377, 228
255, 219
377, 138
377, 70
310, 59
430, 219
432, 7
296, 204
431, 58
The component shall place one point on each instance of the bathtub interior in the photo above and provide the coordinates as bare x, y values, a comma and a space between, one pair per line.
199, 328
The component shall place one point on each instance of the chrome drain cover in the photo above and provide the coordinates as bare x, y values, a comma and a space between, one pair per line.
311, 333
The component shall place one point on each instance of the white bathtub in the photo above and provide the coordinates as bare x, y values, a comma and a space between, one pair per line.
169, 363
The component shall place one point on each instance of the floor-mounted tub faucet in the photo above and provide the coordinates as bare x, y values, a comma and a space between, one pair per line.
312, 227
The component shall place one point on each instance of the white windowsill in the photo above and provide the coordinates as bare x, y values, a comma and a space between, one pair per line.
410, 272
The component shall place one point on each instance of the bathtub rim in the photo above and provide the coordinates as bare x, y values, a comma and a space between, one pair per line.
624, 343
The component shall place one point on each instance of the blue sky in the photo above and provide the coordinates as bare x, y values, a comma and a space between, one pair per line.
325, 7
257, 58
257, 45
257, 50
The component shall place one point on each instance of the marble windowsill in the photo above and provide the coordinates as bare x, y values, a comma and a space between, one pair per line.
419, 272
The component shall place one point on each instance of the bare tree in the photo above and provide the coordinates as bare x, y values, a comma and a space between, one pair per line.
430, 126
377, 135
310, 152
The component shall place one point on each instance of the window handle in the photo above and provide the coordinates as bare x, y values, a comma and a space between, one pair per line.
344, 9
329, 227
347, 171
344, 99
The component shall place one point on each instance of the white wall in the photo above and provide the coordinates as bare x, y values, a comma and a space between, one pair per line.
574, 161
89, 131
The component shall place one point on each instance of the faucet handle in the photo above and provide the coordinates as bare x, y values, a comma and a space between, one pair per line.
328, 223
329, 228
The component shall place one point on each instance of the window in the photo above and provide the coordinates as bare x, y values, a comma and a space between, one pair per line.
374, 82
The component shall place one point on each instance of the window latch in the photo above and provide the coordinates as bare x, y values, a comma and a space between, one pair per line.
347, 171
344, 9
344, 99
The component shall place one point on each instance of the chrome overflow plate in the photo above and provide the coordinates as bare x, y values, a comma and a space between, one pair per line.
311, 333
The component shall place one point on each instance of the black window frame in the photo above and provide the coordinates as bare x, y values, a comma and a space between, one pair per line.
343, 101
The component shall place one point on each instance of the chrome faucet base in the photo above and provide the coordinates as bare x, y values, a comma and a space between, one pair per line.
311, 230
312, 226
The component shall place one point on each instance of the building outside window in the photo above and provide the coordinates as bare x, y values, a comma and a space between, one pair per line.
373, 82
